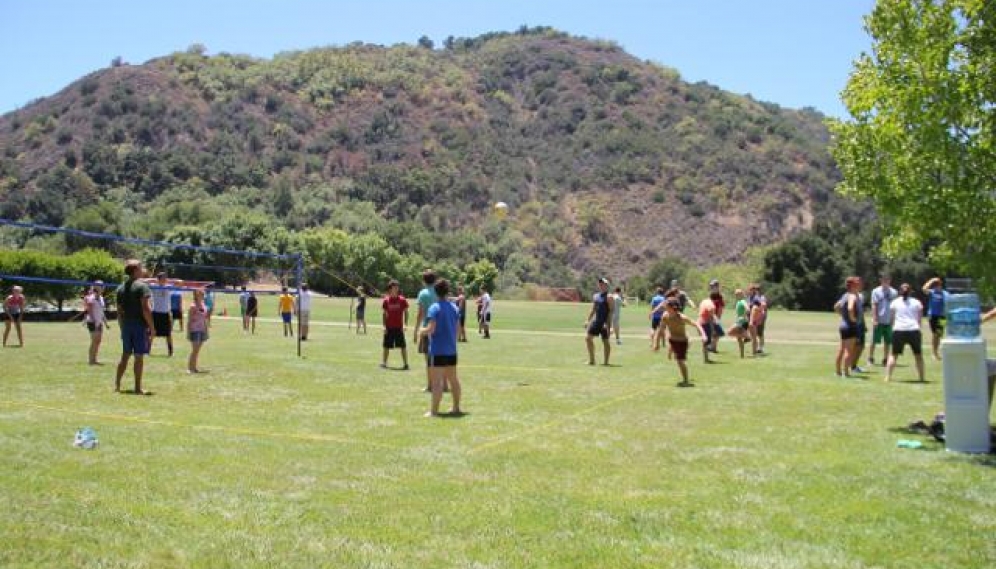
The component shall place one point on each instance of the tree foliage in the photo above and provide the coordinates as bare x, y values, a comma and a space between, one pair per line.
920, 141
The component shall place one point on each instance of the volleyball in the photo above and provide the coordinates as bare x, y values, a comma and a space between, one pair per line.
501, 210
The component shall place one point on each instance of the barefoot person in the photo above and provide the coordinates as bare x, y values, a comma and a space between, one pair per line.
13, 307
441, 335
197, 330
677, 339
849, 307
906, 314
134, 302
937, 297
161, 318
95, 319
395, 318
599, 322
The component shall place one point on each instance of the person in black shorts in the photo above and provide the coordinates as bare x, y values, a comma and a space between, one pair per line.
252, 310
599, 322
395, 319
361, 309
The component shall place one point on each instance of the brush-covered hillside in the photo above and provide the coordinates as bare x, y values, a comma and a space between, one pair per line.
608, 163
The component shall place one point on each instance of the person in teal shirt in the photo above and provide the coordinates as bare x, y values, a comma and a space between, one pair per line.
426, 298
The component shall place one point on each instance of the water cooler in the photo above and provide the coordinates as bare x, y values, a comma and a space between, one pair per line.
966, 387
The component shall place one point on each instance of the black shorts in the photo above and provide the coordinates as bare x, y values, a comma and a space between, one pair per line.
394, 338
463, 317
848, 331
177, 315
361, 314
598, 328
93, 328
679, 348
160, 320
937, 324
911, 338
655, 324
442, 361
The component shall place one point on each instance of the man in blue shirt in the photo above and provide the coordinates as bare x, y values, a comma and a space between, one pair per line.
440, 332
937, 297
426, 298
655, 316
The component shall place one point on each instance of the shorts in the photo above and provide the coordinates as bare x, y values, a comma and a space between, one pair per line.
486, 318
680, 348
937, 324
759, 329
463, 317
197, 336
707, 328
286, 317
442, 361
848, 331
134, 338
160, 320
598, 328
911, 338
94, 328
394, 338
861, 333
742, 323
304, 318
882, 333
14, 315
361, 313
655, 324
177, 315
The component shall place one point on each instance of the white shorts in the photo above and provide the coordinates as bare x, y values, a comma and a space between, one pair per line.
304, 317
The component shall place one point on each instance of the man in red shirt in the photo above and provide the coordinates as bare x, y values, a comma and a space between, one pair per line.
395, 309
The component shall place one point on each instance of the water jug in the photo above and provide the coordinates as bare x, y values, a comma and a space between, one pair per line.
963, 318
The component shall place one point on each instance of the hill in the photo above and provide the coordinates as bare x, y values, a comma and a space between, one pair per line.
609, 163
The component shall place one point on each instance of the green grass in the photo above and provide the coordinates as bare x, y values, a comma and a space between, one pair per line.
326, 461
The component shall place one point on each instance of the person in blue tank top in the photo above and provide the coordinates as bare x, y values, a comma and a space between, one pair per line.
937, 297
848, 306
440, 332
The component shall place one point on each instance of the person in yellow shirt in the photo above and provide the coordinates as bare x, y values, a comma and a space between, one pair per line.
286, 309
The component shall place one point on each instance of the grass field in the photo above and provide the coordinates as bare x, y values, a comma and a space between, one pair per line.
326, 461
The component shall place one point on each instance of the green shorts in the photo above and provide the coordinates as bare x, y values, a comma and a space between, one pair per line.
882, 333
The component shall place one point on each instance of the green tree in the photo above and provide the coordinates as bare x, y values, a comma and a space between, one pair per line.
920, 142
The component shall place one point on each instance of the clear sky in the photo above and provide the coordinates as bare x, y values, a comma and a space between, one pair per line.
792, 52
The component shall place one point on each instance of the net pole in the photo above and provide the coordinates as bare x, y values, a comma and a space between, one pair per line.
300, 278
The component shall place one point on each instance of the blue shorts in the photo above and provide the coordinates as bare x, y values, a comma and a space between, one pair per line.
197, 337
286, 317
134, 338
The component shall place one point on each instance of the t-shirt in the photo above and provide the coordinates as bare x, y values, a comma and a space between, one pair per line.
130, 296
936, 298
394, 310
485, 304
654, 303
443, 342
304, 300
882, 298
176, 300
907, 313
741, 309
426, 298
94, 304
617, 302
244, 300
160, 299
707, 311
197, 318
286, 303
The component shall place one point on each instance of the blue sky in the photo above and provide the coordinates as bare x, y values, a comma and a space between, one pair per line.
792, 52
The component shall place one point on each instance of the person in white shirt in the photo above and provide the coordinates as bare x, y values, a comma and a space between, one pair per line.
881, 299
95, 318
162, 317
906, 312
304, 310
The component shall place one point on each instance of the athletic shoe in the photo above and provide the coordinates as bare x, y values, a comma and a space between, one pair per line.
384, 366
618, 342
857, 369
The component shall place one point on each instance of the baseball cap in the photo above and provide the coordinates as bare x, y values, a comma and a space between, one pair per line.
713, 282
603, 280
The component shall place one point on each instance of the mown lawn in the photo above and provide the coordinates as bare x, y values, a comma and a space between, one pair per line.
326, 461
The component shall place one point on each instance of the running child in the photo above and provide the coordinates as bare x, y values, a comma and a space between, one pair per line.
676, 322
